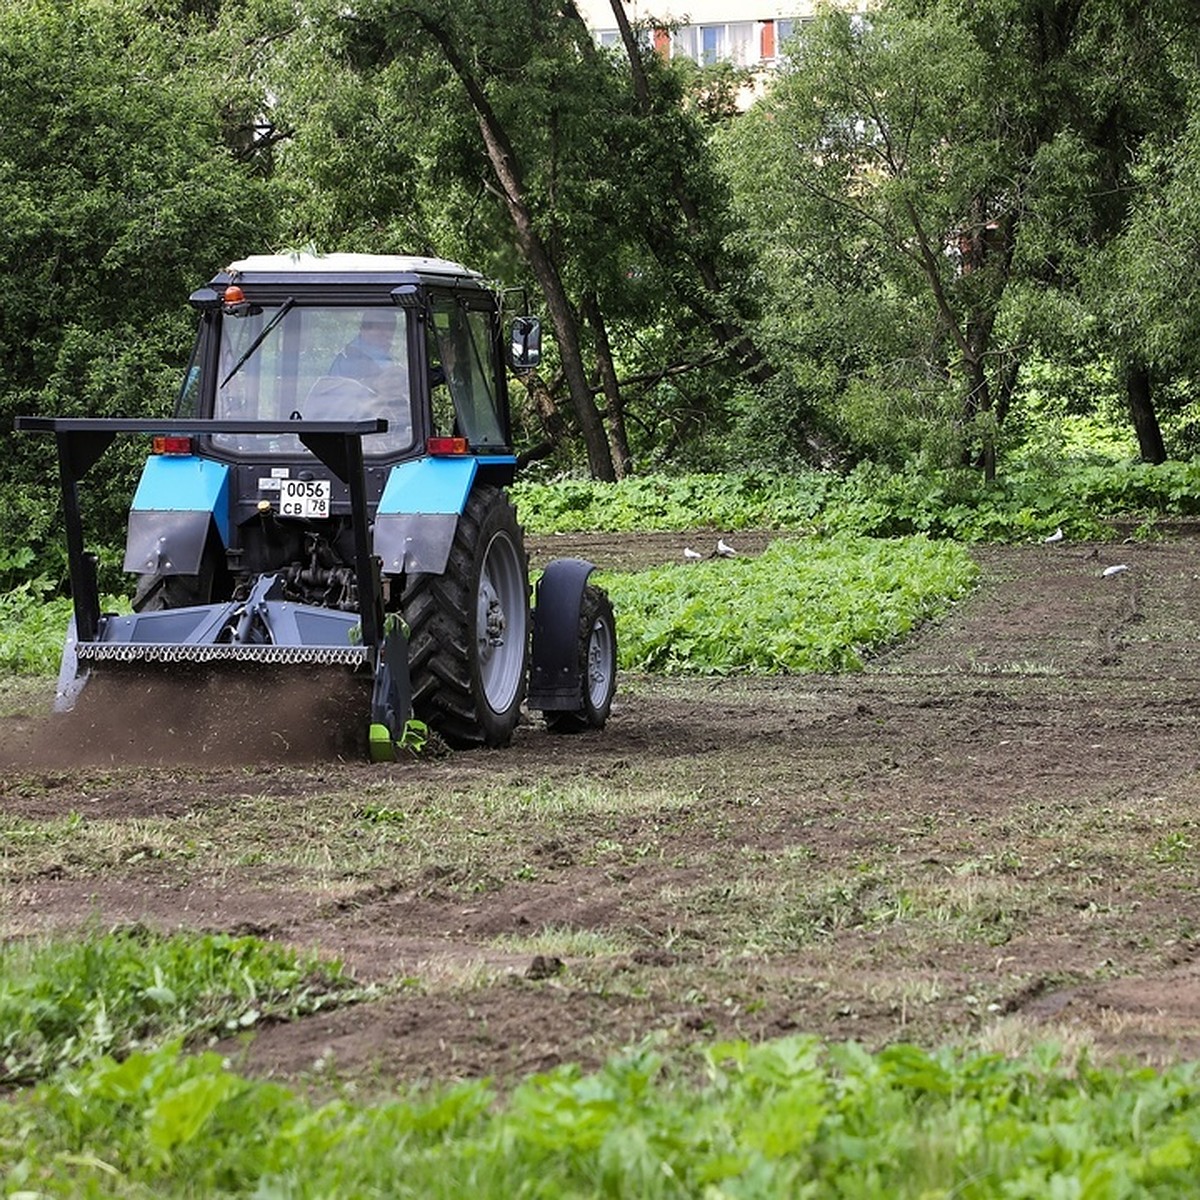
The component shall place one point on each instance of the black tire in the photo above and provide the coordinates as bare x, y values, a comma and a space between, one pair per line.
597, 663
157, 592
468, 681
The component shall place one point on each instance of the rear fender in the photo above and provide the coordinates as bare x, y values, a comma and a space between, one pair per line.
418, 513
178, 500
555, 678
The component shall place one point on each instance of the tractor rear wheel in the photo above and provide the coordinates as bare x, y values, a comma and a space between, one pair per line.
469, 628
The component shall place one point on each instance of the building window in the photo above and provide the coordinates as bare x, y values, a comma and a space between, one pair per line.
776, 35
743, 43
684, 42
611, 38
733, 42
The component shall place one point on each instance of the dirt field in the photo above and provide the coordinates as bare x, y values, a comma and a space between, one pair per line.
989, 836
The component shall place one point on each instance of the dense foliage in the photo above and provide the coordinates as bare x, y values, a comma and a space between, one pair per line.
33, 625
786, 1118
879, 501
943, 231
945, 194
124, 183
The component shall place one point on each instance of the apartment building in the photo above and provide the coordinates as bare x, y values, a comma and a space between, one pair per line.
705, 31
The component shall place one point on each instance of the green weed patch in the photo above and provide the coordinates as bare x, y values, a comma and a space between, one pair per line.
726, 501
1025, 504
33, 626
823, 604
63, 1003
32, 629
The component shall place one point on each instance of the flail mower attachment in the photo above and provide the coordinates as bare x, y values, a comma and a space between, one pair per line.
260, 629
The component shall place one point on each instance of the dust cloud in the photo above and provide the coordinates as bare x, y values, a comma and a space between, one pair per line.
198, 717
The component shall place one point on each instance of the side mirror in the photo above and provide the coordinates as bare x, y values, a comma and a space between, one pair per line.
525, 344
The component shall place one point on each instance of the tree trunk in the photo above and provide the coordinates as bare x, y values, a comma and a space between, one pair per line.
554, 427
977, 398
622, 459
1135, 377
988, 252
727, 333
978, 404
504, 163
1006, 384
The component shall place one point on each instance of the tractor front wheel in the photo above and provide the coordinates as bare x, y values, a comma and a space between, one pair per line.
597, 665
157, 592
469, 628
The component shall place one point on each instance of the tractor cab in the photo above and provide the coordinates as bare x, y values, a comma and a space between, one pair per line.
414, 341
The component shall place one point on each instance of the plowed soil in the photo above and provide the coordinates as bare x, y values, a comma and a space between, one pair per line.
990, 835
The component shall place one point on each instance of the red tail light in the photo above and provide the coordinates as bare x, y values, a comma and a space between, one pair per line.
447, 445
171, 445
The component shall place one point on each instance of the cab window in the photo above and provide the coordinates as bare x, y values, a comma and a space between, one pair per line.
320, 363
462, 382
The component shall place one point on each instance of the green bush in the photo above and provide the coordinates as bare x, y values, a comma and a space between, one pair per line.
1025, 505
33, 626
727, 501
32, 629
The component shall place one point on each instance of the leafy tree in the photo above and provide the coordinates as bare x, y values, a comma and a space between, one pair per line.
1144, 283
127, 177
697, 234
470, 130
474, 93
923, 179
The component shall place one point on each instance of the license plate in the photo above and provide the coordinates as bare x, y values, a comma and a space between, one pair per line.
304, 497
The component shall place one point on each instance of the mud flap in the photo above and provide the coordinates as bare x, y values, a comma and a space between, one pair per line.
555, 678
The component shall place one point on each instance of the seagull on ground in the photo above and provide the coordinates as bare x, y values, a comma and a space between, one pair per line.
692, 555
724, 549
1056, 536
1115, 569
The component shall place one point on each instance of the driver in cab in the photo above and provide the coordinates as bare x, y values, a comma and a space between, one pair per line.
368, 379
369, 355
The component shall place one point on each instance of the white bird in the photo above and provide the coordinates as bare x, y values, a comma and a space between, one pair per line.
1056, 536
692, 555
724, 549
1115, 569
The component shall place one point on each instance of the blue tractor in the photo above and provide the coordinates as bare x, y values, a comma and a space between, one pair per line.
331, 493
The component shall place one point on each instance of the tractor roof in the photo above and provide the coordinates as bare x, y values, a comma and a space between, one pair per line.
348, 264
342, 278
